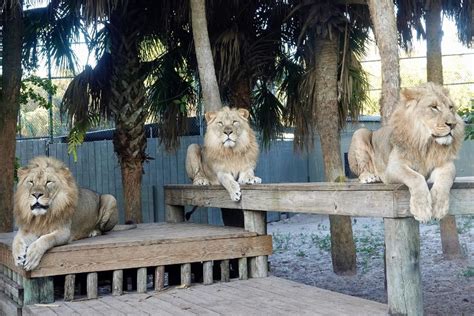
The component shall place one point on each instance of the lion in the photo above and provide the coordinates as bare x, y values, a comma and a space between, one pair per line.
50, 210
229, 154
421, 140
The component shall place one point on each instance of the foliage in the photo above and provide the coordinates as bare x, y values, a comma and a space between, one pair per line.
33, 89
468, 116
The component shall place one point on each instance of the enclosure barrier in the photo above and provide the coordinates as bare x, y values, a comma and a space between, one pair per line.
390, 202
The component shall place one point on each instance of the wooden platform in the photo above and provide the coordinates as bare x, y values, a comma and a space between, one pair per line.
262, 296
148, 245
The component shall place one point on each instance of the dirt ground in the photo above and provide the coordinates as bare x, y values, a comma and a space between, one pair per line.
301, 246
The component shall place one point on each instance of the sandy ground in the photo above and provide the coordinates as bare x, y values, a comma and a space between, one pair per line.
301, 247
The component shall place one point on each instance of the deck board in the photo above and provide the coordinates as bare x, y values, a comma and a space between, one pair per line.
146, 246
265, 296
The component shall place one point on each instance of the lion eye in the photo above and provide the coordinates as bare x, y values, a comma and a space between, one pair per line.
30, 182
220, 124
49, 182
435, 108
235, 122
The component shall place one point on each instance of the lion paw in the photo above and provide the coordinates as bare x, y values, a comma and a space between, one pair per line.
234, 192
250, 180
367, 177
20, 260
420, 207
440, 203
200, 181
33, 257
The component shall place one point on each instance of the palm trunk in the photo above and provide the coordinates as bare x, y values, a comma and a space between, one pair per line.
207, 72
241, 96
9, 107
434, 68
127, 104
327, 122
382, 13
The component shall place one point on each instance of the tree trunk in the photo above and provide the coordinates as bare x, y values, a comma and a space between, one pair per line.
241, 94
127, 105
327, 123
382, 13
207, 72
9, 107
434, 68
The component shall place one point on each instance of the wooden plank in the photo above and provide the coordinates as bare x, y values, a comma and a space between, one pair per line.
243, 269
174, 214
402, 254
159, 278
183, 304
141, 280
11, 289
207, 272
92, 285
69, 287
117, 282
225, 271
186, 274
8, 307
38, 290
114, 258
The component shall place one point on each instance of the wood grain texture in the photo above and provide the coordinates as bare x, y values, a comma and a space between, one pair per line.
353, 199
117, 283
69, 287
207, 273
159, 278
38, 290
186, 274
11, 289
225, 271
243, 269
92, 285
402, 254
141, 280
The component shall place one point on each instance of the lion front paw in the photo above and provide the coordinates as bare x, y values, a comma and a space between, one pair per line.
33, 257
420, 207
234, 192
440, 203
250, 180
200, 181
20, 260
367, 177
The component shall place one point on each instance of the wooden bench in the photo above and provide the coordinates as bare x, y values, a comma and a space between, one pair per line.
390, 202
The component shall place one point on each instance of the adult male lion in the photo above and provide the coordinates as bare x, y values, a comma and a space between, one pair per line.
229, 154
420, 141
50, 210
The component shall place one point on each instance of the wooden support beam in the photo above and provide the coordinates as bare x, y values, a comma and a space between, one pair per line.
402, 255
117, 283
38, 290
92, 285
225, 272
256, 221
243, 269
159, 278
69, 287
141, 280
207, 272
11, 289
186, 274
174, 213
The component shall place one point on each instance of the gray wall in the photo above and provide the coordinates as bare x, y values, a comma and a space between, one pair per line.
97, 168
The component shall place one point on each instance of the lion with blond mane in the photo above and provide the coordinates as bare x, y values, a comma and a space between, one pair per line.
50, 210
420, 142
229, 154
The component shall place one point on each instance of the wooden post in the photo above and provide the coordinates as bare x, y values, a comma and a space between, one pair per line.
38, 290
449, 237
117, 283
69, 285
141, 280
404, 288
207, 274
243, 269
159, 278
256, 221
186, 274
174, 213
92, 285
225, 273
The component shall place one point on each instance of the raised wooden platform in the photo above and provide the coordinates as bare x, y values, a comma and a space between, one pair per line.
148, 246
262, 296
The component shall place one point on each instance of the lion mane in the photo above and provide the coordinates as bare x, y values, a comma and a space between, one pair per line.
229, 155
51, 210
421, 141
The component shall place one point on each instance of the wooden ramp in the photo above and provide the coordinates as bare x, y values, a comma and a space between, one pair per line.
261, 296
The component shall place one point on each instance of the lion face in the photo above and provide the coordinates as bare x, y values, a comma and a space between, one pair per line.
40, 184
433, 114
228, 128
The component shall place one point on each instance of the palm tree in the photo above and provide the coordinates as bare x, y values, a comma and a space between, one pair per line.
9, 105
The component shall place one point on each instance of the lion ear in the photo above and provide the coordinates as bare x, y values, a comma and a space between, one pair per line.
244, 113
409, 94
210, 117
22, 172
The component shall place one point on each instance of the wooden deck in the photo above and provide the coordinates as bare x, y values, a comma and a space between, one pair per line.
148, 245
262, 296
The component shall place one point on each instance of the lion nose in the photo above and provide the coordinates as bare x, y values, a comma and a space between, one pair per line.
451, 124
37, 194
227, 131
